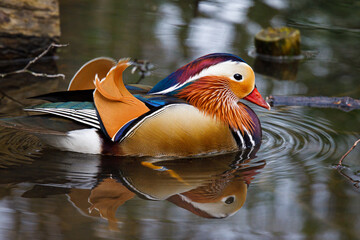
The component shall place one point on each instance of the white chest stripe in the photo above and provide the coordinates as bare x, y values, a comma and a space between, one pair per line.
243, 144
250, 137
241, 139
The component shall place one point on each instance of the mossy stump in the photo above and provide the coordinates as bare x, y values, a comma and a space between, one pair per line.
283, 41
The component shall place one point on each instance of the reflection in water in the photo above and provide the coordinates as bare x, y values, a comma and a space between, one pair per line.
285, 70
103, 200
212, 187
17, 147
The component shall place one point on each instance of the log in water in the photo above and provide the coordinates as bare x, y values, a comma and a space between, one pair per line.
27, 27
342, 103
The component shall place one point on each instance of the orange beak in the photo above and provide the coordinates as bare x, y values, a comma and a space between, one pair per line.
256, 98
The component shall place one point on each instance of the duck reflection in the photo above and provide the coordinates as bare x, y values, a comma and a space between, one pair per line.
102, 201
211, 187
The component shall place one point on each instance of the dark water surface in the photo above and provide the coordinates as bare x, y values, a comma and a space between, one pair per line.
291, 187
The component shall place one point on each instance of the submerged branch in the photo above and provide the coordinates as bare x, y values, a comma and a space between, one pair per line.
353, 181
339, 166
342, 103
12, 99
26, 68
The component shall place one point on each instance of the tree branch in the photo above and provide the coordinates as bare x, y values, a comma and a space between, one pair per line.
340, 167
347, 153
26, 68
342, 103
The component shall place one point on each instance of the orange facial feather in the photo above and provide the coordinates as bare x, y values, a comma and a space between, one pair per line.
212, 95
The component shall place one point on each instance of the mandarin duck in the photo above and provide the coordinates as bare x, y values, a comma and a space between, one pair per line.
196, 110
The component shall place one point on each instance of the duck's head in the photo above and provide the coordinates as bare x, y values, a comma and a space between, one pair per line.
215, 83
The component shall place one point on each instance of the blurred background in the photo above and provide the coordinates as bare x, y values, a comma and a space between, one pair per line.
297, 195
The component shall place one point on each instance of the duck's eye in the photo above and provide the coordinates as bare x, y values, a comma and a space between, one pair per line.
237, 76
229, 200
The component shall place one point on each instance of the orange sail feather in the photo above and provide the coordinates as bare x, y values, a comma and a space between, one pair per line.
84, 77
114, 103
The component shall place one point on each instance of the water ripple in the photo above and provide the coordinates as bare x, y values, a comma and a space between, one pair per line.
291, 133
17, 147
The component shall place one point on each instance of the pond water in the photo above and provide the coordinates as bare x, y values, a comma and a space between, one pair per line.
291, 187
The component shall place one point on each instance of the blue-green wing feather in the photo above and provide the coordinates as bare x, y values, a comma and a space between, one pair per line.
83, 112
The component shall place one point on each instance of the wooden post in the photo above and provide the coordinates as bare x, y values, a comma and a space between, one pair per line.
283, 41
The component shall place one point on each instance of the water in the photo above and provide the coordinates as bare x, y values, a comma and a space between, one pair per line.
294, 191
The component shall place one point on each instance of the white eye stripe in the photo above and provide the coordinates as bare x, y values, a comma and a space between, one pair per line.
217, 70
228, 68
